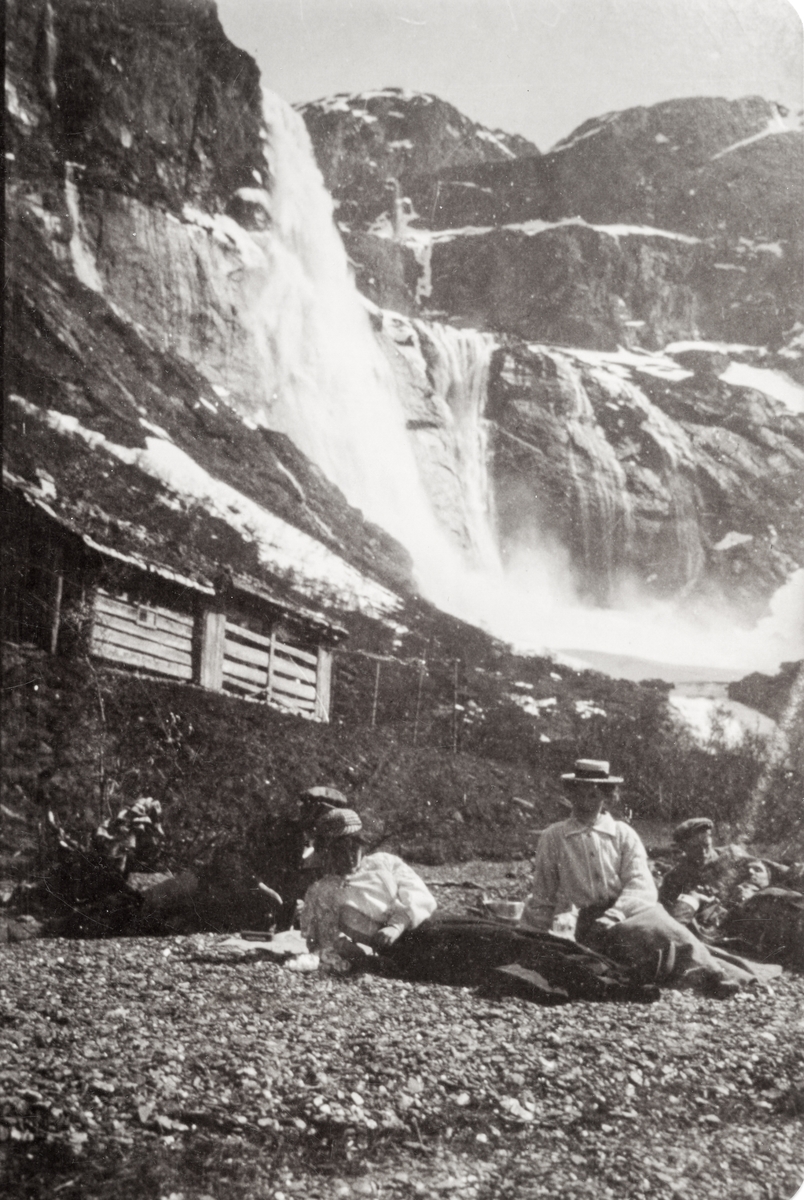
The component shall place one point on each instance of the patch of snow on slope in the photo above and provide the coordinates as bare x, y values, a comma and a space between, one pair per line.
536, 226
775, 125
281, 546
534, 708
487, 136
657, 364
568, 143
776, 384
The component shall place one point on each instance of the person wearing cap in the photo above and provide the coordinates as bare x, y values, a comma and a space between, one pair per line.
590, 870
701, 887
362, 900
281, 848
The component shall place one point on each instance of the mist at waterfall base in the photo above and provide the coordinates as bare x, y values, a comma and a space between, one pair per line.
329, 386
641, 637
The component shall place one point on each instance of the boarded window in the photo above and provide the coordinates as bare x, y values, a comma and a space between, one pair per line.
142, 635
265, 668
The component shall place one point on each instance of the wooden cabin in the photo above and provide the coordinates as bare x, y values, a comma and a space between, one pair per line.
67, 594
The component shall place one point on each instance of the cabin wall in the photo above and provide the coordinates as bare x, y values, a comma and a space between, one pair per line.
59, 596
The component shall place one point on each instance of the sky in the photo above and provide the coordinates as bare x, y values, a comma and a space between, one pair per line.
538, 68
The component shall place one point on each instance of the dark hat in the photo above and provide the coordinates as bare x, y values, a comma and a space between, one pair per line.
687, 829
325, 796
592, 770
337, 823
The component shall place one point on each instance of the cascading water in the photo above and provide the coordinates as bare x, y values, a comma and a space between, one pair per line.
328, 385
459, 369
272, 316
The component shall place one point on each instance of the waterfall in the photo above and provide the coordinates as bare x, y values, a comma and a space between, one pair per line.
82, 257
328, 385
459, 368
607, 545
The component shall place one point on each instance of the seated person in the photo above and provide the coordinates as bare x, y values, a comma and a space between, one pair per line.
360, 900
280, 851
592, 882
378, 902
699, 889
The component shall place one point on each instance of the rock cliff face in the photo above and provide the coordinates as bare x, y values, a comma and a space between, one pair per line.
129, 130
177, 285
374, 146
677, 226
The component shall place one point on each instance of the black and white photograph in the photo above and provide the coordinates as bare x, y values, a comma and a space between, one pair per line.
403, 600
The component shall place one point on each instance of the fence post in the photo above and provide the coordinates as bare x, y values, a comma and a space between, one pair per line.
455, 707
422, 667
376, 694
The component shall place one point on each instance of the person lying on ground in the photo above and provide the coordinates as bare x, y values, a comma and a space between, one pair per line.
361, 900
592, 882
281, 848
766, 921
375, 911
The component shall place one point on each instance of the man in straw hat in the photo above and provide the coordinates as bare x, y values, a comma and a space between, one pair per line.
591, 882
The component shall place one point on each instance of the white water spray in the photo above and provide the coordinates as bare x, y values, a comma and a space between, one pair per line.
460, 361
326, 382
83, 260
328, 385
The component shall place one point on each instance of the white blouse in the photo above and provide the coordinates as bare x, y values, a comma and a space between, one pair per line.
382, 891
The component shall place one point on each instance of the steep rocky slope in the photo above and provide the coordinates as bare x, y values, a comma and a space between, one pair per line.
164, 218
117, 120
672, 232
372, 146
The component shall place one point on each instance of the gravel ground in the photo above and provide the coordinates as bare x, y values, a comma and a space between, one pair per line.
175, 1068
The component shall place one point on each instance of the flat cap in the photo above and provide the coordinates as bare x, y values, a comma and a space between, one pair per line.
325, 795
687, 829
337, 823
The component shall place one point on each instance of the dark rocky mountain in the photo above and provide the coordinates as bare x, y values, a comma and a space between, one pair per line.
366, 143
117, 117
710, 194
672, 226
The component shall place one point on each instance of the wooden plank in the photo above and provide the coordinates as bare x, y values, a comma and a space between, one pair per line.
241, 686
289, 703
138, 645
143, 661
171, 622
298, 706
172, 613
181, 641
290, 687
285, 667
236, 670
210, 656
247, 654
257, 638
323, 687
302, 655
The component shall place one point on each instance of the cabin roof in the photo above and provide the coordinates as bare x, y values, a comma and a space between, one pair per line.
139, 549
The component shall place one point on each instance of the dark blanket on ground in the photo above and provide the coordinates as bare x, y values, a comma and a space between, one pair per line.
471, 952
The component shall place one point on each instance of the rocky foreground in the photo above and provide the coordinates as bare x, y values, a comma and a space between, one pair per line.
180, 1068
